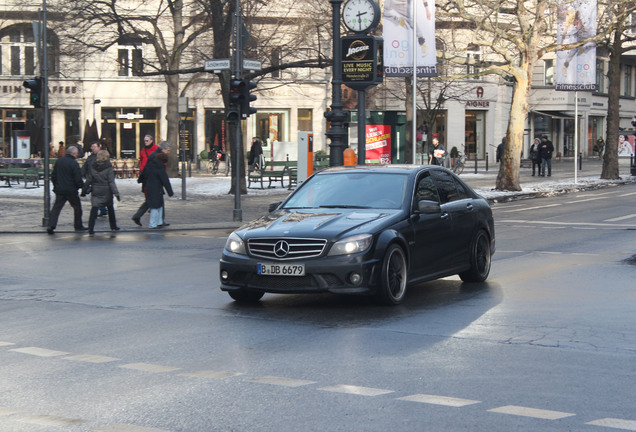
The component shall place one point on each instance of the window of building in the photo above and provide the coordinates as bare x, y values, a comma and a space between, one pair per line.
627, 80
276, 61
129, 60
548, 73
473, 55
600, 76
305, 120
19, 47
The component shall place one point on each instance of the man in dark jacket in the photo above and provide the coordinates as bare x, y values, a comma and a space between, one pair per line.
163, 147
545, 150
90, 160
67, 179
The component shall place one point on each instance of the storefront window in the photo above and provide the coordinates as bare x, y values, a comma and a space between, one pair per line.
216, 130
123, 129
305, 120
475, 137
272, 126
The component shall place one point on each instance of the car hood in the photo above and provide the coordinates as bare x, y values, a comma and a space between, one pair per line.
325, 225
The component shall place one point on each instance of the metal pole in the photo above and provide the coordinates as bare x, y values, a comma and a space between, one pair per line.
337, 133
237, 215
414, 95
183, 158
47, 128
576, 132
362, 129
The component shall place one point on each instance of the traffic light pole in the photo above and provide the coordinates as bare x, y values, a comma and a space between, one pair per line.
237, 153
337, 133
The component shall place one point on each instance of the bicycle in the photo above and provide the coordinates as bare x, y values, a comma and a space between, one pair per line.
458, 168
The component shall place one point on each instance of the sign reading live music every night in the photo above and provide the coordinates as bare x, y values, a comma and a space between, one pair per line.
362, 61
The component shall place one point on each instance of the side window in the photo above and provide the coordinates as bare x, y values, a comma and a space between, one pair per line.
446, 187
425, 189
461, 191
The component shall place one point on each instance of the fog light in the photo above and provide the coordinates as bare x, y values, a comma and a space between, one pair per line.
224, 275
355, 278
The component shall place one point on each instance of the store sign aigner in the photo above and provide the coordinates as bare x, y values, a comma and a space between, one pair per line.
362, 61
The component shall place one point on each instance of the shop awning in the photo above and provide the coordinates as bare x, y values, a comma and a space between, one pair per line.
557, 114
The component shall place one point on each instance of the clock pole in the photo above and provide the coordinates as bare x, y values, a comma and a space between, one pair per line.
337, 133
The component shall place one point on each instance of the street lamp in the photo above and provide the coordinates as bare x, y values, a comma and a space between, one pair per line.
95, 102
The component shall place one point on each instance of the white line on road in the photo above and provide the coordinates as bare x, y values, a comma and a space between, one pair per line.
6, 343
211, 374
360, 391
628, 194
89, 358
439, 400
40, 352
7, 411
281, 381
531, 412
621, 218
586, 200
127, 428
526, 222
46, 420
147, 367
529, 208
615, 423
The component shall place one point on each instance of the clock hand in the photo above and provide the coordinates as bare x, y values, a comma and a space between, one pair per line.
360, 18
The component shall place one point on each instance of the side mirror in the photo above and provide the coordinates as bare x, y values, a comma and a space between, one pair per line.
273, 206
428, 207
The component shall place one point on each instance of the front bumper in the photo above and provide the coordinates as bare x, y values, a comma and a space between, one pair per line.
323, 274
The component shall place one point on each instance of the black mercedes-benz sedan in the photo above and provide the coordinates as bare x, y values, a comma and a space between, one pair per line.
363, 230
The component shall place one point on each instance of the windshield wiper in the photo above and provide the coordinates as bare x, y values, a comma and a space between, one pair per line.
345, 206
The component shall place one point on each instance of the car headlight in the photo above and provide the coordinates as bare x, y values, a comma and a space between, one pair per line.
235, 244
351, 245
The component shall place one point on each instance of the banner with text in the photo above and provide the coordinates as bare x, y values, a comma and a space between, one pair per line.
378, 144
398, 38
576, 67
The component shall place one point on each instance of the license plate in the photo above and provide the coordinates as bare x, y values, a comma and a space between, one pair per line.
281, 269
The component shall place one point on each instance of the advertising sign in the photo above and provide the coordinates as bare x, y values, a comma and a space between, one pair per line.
626, 146
361, 61
378, 144
576, 67
398, 28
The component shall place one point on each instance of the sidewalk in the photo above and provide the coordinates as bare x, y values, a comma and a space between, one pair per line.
208, 205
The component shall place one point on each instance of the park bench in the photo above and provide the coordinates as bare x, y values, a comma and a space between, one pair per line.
20, 174
273, 171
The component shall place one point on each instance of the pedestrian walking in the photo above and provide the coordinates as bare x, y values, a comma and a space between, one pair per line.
501, 148
144, 155
100, 181
155, 180
535, 156
545, 151
67, 180
256, 154
95, 147
436, 153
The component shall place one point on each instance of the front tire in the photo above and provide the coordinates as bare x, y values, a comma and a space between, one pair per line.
479, 259
246, 296
393, 277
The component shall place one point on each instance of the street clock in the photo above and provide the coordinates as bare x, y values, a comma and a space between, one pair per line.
361, 16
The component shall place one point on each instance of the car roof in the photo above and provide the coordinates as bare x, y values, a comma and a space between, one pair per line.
395, 169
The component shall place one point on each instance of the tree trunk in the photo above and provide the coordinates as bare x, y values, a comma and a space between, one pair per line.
508, 177
610, 158
410, 116
172, 117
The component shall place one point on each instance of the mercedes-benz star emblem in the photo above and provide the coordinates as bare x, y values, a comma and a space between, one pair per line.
281, 249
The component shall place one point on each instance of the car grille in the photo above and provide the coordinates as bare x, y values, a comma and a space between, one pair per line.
286, 248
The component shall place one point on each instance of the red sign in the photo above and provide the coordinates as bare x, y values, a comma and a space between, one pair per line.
378, 144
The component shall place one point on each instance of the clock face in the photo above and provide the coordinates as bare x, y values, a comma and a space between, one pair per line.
361, 15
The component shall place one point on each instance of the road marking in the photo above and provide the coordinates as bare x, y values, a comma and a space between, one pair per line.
89, 358
147, 367
6, 343
628, 194
531, 412
620, 218
8, 411
40, 352
211, 374
615, 423
127, 428
280, 381
525, 222
360, 391
585, 200
47, 420
529, 208
439, 400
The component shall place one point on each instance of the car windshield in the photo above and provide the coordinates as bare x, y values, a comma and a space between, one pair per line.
358, 190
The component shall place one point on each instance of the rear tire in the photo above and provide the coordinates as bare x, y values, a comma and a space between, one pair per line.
246, 296
479, 259
460, 169
393, 277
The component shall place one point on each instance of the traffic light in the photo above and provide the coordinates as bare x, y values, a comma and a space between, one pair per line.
246, 109
35, 88
234, 107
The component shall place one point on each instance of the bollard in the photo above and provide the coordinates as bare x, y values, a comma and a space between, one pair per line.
486, 161
475, 163
580, 161
349, 157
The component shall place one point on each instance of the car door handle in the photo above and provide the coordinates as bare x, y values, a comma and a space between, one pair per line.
445, 215
469, 207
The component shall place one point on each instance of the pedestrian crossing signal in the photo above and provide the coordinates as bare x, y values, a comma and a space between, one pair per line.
35, 91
